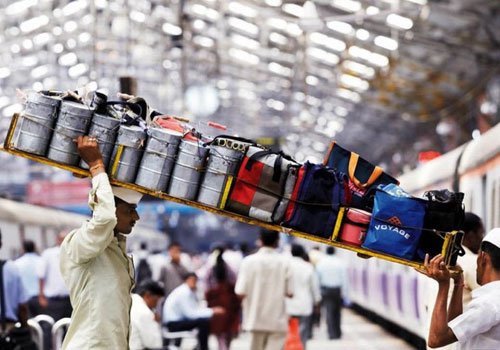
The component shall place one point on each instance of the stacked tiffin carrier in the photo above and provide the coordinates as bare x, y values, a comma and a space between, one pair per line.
345, 200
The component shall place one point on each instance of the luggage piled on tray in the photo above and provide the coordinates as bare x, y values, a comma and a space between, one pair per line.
167, 155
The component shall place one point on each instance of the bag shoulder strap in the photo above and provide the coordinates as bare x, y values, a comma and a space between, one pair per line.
353, 161
2, 298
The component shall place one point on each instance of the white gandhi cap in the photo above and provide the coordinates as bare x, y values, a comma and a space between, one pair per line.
493, 237
126, 195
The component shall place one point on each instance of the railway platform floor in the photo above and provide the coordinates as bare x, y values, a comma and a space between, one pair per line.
359, 333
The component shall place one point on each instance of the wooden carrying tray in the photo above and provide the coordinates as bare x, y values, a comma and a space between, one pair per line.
447, 247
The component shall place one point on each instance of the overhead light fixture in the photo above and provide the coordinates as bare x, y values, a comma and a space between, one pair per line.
386, 42
74, 7
101, 4
171, 29
244, 56
240, 9
372, 57
27, 44
4, 72
362, 34
70, 26
42, 38
84, 37
278, 38
279, 69
348, 94
322, 55
204, 41
341, 27
372, 10
397, 21
205, 12
34, 23
241, 40
277, 23
327, 41
77, 70
347, 5
354, 82
28, 61
274, 3
275, 104
19, 7
137, 16
312, 80
418, 2
40, 71
68, 59
245, 26
359, 68
293, 29
293, 9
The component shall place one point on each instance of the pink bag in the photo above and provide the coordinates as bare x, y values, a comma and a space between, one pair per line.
355, 225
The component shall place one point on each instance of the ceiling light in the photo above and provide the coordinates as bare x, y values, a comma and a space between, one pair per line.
341, 27
39, 71
386, 43
15, 48
348, 94
398, 21
241, 40
137, 16
274, 3
4, 72
70, 26
327, 41
74, 7
71, 43
19, 7
240, 9
171, 29
77, 70
57, 31
347, 5
323, 55
244, 56
84, 37
69, 59
279, 69
245, 26
204, 41
277, 23
419, 2
362, 34
275, 104
199, 24
354, 82
34, 23
372, 10
27, 44
29, 61
293, 29
42, 39
293, 9
372, 57
205, 12
312, 80
101, 4
58, 48
13, 31
359, 68
341, 111
278, 38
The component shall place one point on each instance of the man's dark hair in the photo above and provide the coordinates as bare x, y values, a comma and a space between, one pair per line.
189, 275
28, 246
298, 250
269, 238
494, 252
150, 286
174, 244
330, 250
472, 222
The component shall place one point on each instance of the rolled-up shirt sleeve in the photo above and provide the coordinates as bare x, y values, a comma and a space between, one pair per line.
477, 319
96, 234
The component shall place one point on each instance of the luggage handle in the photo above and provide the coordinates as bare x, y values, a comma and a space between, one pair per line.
353, 161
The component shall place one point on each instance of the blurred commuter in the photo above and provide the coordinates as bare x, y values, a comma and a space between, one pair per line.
233, 257
172, 274
332, 275
306, 293
143, 271
94, 263
264, 282
473, 234
220, 281
182, 311
478, 326
53, 295
14, 296
145, 330
27, 265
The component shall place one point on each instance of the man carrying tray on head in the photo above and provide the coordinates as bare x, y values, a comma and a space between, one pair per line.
94, 265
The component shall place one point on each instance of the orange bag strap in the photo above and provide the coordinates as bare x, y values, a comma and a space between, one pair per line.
353, 161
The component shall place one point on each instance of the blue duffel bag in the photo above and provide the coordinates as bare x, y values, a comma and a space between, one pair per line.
396, 223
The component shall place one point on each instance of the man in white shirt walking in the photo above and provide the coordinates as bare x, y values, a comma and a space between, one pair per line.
478, 326
145, 332
264, 281
306, 293
27, 265
94, 263
182, 311
332, 276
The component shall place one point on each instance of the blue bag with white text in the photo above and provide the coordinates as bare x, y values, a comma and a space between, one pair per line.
396, 223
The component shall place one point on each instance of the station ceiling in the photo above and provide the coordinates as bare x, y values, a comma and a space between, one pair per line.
376, 75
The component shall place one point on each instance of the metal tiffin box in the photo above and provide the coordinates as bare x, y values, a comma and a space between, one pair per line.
188, 169
37, 123
224, 158
105, 129
73, 120
158, 159
127, 153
